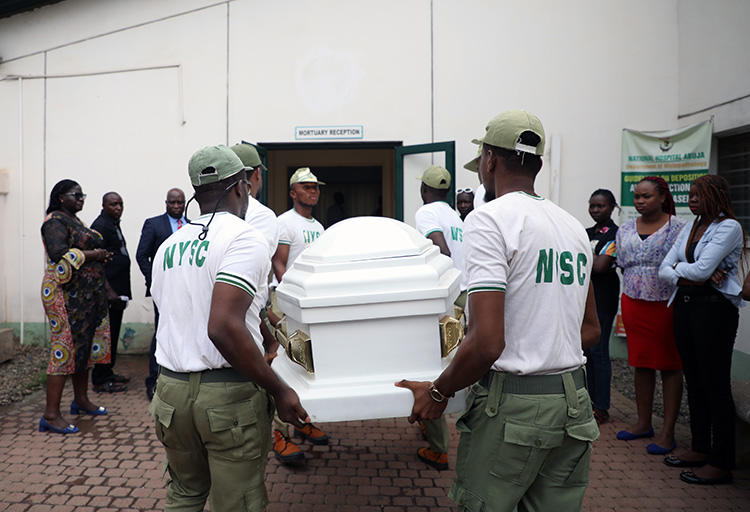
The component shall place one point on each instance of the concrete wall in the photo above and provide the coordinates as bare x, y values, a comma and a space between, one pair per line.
416, 71
714, 72
714, 68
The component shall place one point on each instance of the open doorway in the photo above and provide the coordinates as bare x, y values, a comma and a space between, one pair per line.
359, 177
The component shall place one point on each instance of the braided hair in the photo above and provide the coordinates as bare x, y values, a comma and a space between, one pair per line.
716, 204
668, 205
713, 191
61, 187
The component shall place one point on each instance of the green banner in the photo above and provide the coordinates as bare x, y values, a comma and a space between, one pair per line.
679, 156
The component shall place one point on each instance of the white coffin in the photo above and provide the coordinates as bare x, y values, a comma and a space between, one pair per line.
370, 293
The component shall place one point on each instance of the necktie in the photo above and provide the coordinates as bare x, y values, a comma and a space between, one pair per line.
179, 223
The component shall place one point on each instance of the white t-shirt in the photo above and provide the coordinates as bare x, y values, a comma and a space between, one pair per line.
439, 216
264, 220
298, 233
540, 256
479, 196
184, 273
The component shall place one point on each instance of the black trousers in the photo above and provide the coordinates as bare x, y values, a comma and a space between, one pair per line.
102, 372
705, 326
153, 368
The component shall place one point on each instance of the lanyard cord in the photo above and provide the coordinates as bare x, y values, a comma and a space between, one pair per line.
204, 227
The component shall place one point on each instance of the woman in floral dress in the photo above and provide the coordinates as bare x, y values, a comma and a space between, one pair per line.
642, 244
74, 295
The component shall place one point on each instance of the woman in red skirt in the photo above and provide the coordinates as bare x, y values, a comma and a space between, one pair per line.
642, 244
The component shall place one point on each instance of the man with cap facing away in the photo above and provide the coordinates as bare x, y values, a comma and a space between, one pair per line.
264, 220
527, 429
258, 215
260, 318
297, 230
440, 223
213, 402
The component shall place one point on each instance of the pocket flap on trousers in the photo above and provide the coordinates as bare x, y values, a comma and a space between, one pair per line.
530, 435
161, 411
588, 431
239, 414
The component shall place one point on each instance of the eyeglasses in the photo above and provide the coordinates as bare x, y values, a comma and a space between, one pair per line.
467, 190
76, 195
175, 202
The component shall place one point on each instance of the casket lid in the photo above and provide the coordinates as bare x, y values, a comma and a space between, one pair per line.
367, 260
366, 238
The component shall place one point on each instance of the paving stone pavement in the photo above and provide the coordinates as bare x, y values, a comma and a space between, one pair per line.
115, 464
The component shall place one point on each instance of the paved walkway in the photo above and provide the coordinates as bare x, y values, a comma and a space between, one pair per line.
115, 465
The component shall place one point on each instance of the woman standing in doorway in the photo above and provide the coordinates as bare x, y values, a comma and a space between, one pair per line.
607, 293
703, 263
75, 300
642, 244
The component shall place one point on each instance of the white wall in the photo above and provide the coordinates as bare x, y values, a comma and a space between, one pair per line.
328, 62
116, 131
714, 70
254, 70
586, 69
714, 64
22, 256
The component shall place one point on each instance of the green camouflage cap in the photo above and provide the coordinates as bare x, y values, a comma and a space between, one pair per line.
504, 131
212, 164
473, 164
436, 177
304, 175
249, 155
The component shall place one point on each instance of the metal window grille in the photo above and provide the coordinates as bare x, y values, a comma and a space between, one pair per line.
734, 165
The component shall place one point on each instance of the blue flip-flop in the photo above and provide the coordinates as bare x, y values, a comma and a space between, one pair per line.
624, 435
655, 449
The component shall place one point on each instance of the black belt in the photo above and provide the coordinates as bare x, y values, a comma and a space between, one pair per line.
699, 294
535, 384
217, 375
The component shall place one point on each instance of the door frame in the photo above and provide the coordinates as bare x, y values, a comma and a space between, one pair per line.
282, 155
448, 147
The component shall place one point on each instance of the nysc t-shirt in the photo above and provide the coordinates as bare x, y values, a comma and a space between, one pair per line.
439, 216
185, 271
264, 220
298, 233
540, 256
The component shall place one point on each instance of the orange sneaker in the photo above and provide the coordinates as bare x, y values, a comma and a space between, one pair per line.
286, 451
437, 460
312, 434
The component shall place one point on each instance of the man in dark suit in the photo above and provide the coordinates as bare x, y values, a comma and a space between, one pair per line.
117, 270
155, 231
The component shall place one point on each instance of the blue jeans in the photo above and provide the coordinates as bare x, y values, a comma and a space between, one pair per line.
598, 364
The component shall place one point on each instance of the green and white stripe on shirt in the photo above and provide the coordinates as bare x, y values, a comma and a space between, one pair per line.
498, 286
235, 280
